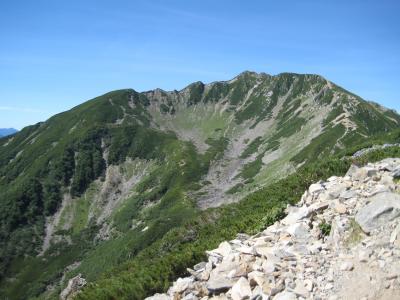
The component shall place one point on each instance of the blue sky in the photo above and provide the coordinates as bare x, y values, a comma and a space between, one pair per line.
57, 54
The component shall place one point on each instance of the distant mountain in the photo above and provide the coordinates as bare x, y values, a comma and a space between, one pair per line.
7, 131
93, 187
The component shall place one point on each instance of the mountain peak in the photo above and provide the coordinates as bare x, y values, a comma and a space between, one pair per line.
7, 131
127, 167
251, 74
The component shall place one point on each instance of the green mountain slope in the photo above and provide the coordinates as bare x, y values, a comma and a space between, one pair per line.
93, 187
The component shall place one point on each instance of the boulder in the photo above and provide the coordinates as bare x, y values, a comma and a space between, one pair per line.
216, 285
348, 194
224, 249
181, 285
268, 266
318, 207
336, 189
263, 251
338, 207
299, 231
360, 174
241, 290
383, 208
200, 266
316, 188
206, 272
296, 214
258, 294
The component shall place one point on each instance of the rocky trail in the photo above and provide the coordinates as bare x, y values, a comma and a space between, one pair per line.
341, 241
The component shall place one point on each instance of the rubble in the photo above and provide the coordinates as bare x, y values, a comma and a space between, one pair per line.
359, 258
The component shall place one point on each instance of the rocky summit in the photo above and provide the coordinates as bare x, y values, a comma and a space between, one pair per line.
341, 241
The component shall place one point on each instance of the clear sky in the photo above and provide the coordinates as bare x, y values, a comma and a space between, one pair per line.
56, 54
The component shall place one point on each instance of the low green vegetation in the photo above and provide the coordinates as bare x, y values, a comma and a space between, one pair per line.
252, 147
321, 145
325, 228
251, 169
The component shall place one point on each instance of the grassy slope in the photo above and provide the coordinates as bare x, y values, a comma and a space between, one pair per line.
165, 188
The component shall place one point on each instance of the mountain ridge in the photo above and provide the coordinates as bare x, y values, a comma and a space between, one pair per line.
124, 169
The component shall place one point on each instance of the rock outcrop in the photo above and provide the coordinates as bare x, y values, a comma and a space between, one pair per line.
73, 287
341, 241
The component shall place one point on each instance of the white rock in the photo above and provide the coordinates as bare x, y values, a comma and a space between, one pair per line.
348, 194
300, 289
347, 266
308, 284
339, 207
256, 278
190, 297
356, 173
332, 179
328, 286
363, 255
223, 249
207, 270
395, 234
299, 231
181, 285
382, 208
285, 295
258, 294
295, 215
200, 266
241, 290
247, 250
315, 188
219, 284
74, 285
268, 267
318, 207
159, 297
305, 198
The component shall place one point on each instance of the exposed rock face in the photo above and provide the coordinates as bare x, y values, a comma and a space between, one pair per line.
383, 208
74, 285
292, 259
